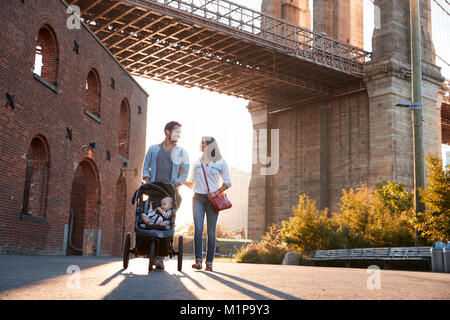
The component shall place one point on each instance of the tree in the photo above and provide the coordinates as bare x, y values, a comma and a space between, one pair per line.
434, 223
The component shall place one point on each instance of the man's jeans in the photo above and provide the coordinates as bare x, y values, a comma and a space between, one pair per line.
200, 205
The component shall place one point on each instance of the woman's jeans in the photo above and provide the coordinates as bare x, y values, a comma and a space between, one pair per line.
200, 205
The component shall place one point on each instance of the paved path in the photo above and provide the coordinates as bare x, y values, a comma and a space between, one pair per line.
46, 277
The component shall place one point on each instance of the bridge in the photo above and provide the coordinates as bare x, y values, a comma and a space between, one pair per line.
339, 98
224, 47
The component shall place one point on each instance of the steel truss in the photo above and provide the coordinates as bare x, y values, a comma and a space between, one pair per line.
224, 47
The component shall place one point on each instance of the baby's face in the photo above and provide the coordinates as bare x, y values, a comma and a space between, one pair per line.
166, 204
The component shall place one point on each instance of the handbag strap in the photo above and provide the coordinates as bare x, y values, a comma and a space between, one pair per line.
204, 173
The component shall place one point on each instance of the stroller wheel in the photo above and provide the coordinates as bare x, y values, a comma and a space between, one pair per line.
180, 252
126, 250
151, 257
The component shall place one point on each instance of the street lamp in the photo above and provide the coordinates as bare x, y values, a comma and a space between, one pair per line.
412, 105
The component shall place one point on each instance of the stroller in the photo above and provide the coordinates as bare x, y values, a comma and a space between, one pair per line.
154, 240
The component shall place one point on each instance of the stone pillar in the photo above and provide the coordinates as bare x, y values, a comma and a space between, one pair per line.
260, 215
294, 11
259, 200
324, 179
303, 162
428, 53
388, 81
341, 20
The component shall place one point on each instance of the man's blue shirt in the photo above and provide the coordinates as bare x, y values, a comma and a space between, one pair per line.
180, 164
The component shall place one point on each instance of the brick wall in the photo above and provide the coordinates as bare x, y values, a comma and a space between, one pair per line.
48, 110
311, 147
323, 148
348, 141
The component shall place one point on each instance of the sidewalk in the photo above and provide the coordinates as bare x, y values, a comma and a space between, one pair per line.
50, 277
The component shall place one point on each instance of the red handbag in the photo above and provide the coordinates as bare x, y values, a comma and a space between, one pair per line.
219, 202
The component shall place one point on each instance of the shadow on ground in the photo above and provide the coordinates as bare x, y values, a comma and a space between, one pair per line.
222, 277
156, 285
17, 271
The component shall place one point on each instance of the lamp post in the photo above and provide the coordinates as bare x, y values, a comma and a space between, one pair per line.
416, 106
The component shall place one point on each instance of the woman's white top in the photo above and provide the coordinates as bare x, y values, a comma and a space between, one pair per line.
214, 171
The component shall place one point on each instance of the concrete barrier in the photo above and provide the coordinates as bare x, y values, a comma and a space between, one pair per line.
291, 258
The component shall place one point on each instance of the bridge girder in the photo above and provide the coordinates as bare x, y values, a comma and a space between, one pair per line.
223, 47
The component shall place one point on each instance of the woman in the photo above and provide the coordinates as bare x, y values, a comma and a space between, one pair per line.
215, 167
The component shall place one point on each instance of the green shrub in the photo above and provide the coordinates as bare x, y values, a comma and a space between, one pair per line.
270, 250
379, 218
394, 196
383, 217
309, 229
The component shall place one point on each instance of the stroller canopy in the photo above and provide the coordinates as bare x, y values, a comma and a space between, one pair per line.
158, 190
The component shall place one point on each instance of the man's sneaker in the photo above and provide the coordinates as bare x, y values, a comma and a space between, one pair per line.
159, 264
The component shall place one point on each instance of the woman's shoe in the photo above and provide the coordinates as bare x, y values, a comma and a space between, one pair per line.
197, 265
208, 267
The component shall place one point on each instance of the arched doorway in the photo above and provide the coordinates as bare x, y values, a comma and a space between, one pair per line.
84, 204
119, 217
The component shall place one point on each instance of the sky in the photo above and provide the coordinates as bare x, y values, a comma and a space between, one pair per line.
201, 113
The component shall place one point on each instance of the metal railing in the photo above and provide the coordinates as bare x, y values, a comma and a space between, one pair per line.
268, 31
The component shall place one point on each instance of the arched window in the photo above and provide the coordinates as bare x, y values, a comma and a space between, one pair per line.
36, 178
46, 57
124, 129
93, 93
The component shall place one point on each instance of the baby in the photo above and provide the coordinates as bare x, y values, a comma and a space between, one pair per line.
161, 215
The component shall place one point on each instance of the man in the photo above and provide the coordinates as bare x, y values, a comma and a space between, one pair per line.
166, 162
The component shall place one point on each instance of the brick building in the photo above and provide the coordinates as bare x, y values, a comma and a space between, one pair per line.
72, 135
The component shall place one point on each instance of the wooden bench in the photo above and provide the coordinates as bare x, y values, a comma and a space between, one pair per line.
383, 254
